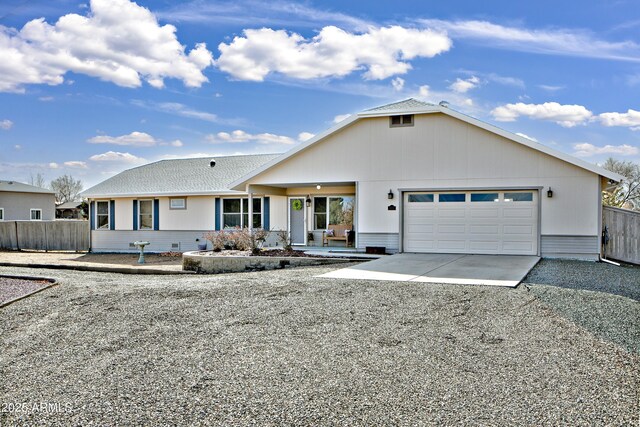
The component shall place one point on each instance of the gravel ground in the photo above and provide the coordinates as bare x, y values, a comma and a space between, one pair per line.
286, 348
601, 297
13, 288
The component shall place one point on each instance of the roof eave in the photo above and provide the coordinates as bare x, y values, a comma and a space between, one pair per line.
169, 194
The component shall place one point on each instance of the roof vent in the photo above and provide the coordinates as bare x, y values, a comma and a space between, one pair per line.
212, 162
444, 104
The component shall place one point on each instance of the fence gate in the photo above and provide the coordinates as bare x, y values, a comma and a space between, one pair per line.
623, 227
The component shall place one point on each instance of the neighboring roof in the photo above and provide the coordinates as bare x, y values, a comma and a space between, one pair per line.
69, 205
18, 187
413, 106
179, 177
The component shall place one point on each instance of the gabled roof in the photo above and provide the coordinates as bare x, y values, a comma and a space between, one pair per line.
179, 177
18, 187
413, 106
69, 205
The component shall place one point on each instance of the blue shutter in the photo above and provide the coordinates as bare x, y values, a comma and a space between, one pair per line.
217, 213
135, 214
92, 215
112, 214
156, 214
266, 214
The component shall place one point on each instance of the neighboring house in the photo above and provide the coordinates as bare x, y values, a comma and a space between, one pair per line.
409, 176
23, 202
69, 210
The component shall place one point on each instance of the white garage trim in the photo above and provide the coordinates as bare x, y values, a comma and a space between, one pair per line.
456, 227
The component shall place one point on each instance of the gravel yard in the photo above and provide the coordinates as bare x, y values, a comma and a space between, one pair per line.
11, 288
286, 348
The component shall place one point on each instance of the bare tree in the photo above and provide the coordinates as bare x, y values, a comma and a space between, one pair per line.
66, 188
38, 180
626, 194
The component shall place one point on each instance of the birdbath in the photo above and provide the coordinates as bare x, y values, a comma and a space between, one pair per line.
141, 245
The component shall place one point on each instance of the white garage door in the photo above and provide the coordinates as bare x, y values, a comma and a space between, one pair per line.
475, 222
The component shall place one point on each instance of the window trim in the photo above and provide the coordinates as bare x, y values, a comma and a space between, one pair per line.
402, 120
140, 215
497, 199
31, 211
464, 193
510, 200
184, 207
242, 213
108, 214
327, 213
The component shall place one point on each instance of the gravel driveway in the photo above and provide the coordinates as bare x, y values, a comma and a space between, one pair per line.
285, 348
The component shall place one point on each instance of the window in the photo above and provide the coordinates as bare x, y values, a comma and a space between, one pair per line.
235, 213
178, 203
397, 121
451, 197
36, 214
337, 209
518, 197
1, 214
102, 215
485, 197
421, 198
145, 214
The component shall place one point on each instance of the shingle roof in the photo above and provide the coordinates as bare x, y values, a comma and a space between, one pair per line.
69, 205
179, 176
410, 104
18, 187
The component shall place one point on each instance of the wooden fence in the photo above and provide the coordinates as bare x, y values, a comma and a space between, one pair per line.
45, 235
624, 234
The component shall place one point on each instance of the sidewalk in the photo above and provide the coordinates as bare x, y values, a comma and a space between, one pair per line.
112, 263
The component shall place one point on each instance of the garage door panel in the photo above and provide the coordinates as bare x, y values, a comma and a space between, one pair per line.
479, 226
484, 228
485, 213
452, 213
518, 212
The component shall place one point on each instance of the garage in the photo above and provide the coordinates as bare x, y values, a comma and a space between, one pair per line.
474, 222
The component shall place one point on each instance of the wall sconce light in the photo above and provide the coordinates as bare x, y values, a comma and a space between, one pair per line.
308, 201
549, 193
390, 195
318, 187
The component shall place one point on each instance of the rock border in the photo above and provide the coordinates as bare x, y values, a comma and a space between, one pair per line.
206, 264
52, 283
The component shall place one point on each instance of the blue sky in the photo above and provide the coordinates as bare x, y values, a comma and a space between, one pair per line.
91, 89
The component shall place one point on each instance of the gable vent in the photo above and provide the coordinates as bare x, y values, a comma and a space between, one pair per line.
175, 246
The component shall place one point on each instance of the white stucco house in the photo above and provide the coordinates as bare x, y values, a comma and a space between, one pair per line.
409, 176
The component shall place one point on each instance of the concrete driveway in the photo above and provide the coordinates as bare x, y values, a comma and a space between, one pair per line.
493, 270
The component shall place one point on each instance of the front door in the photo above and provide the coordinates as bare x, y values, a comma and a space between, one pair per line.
296, 220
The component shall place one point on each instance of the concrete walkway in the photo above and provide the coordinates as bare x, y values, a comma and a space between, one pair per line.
492, 270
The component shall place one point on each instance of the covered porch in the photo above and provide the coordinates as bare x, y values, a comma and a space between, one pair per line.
311, 212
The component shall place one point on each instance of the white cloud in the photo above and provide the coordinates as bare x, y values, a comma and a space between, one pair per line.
545, 41
564, 115
76, 164
53, 165
6, 124
136, 139
398, 84
303, 136
176, 143
46, 98
463, 86
550, 88
117, 41
182, 110
115, 156
340, 117
631, 119
381, 52
424, 91
587, 150
18, 147
240, 136
526, 136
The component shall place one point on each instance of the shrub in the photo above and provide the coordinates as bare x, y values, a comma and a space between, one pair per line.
218, 239
285, 238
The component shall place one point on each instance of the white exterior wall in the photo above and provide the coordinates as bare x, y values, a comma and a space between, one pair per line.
278, 214
440, 152
124, 213
199, 215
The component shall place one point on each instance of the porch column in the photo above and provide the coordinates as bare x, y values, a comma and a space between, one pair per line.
250, 213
